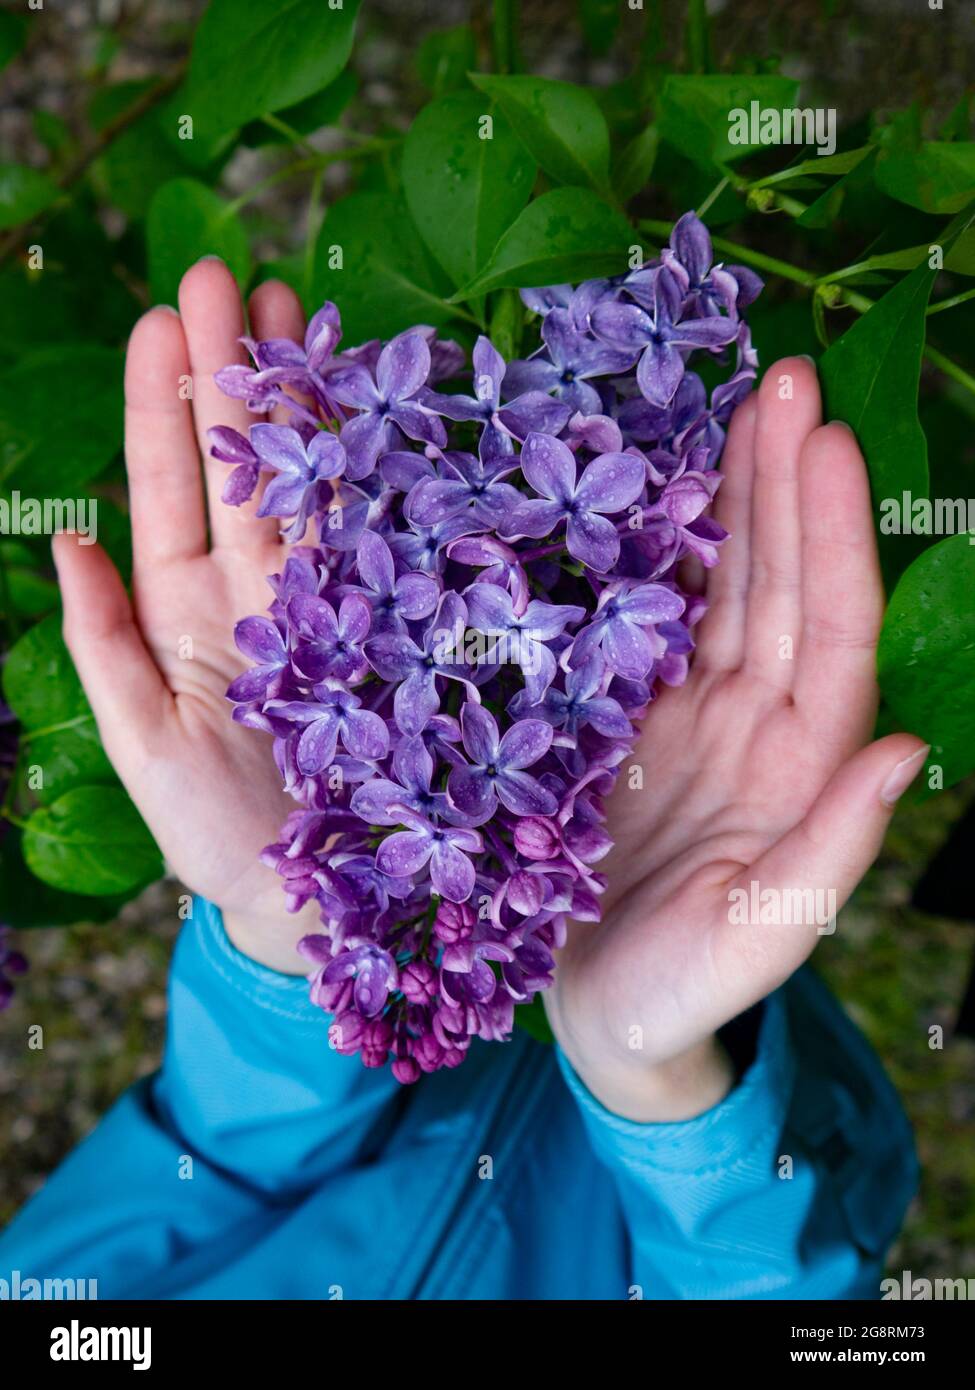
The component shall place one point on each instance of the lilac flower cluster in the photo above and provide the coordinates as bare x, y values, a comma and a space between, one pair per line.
455, 661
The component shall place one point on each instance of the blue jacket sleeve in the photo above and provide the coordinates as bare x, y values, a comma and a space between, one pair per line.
250, 1109
791, 1188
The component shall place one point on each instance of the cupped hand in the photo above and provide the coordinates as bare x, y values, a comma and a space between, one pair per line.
156, 669
758, 770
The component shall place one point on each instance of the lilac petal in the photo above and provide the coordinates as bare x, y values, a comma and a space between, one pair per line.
229, 445
355, 618
239, 487
280, 447
704, 333
404, 853
533, 410
536, 374
624, 325
260, 639
436, 500
354, 386
404, 365
315, 615
252, 685
283, 496
659, 372
370, 992
562, 338
418, 424
393, 655
534, 517
599, 433
416, 701
547, 620
365, 437
403, 471
373, 800
489, 608
692, 246
472, 793
451, 872
607, 718
366, 734
548, 466
416, 595
684, 499
489, 369
611, 482
322, 335
750, 285
524, 794
326, 455
628, 651
413, 764
541, 301
454, 407
316, 747
524, 743
651, 603
375, 563
479, 730
593, 540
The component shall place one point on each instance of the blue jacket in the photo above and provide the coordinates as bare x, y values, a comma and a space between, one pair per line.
259, 1164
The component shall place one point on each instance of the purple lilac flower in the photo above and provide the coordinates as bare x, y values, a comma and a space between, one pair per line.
655, 328
496, 770
452, 673
609, 484
387, 404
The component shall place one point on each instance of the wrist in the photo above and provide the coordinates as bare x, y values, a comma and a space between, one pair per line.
670, 1091
272, 941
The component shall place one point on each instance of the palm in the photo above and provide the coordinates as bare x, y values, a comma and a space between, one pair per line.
747, 771
207, 787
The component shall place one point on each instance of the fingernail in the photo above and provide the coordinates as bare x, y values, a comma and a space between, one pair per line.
167, 309
806, 358
211, 257
903, 775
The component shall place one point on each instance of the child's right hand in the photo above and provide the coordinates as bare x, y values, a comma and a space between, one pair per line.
156, 670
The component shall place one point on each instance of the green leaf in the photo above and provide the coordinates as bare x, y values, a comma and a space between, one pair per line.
560, 124
370, 260
695, 112
566, 234
939, 176
444, 59
250, 57
463, 191
32, 592
533, 1018
54, 441
13, 35
26, 902
24, 192
926, 657
507, 323
91, 841
314, 113
631, 172
52, 130
600, 20
186, 221
870, 379
139, 159
59, 734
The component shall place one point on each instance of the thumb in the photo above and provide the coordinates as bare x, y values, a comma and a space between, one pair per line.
815, 867
120, 678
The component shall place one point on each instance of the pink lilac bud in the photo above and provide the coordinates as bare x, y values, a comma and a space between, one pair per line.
454, 922
537, 838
